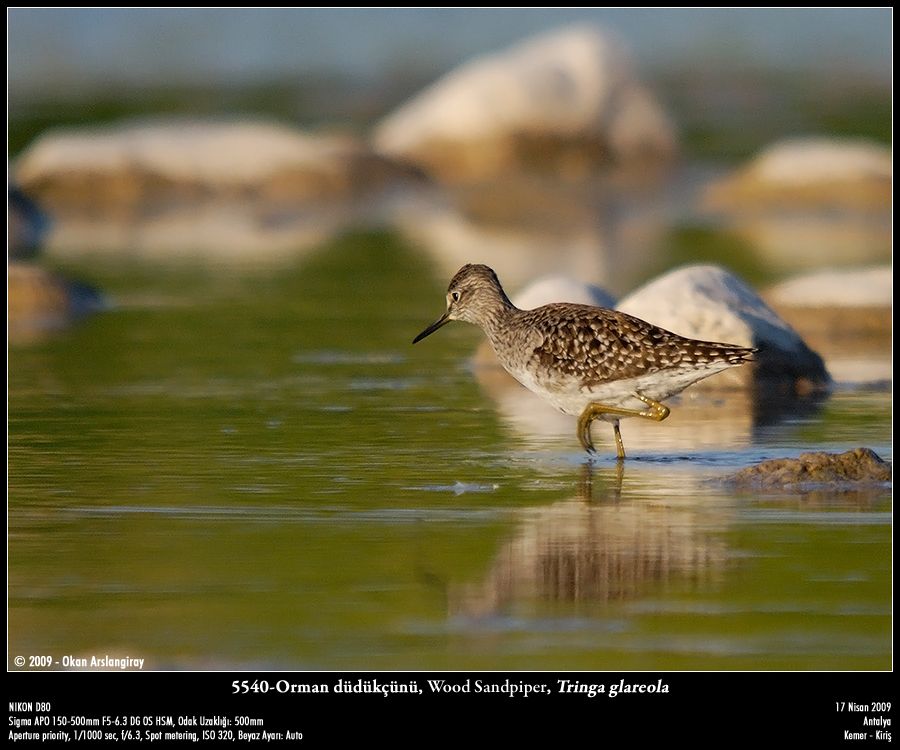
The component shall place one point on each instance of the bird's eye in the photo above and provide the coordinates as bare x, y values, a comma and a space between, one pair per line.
454, 296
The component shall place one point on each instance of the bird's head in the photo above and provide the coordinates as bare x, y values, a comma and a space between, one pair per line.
474, 293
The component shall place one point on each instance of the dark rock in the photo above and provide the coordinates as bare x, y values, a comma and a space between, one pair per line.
26, 224
812, 470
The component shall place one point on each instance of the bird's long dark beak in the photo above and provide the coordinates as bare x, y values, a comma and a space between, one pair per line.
441, 321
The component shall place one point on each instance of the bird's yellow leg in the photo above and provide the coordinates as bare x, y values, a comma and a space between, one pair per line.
657, 412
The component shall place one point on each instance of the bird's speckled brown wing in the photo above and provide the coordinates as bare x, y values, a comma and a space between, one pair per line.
597, 345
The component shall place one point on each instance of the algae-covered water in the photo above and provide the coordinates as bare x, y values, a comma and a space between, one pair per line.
258, 470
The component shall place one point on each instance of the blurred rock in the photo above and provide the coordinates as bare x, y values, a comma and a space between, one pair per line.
565, 102
809, 203
39, 302
549, 289
813, 469
808, 173
517, 253
149, 166
793, 242
847, 315
528, 227
709, 303
837, 287
26, 224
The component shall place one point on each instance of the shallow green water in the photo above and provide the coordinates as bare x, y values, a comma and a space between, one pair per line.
258, 470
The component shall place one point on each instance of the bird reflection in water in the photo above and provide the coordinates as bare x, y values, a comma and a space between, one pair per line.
599, 548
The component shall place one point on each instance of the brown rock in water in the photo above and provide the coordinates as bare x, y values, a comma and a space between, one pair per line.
40, 302
861, 465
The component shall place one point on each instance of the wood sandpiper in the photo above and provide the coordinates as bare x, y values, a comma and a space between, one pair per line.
588, 362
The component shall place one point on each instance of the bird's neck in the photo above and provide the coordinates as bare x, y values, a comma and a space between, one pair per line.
495, 317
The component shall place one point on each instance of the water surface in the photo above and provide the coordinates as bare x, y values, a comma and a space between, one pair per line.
258, 470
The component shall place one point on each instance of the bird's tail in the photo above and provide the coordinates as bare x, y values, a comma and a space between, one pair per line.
712, 352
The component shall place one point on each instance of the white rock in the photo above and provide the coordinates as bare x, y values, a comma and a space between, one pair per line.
704, 302
220, 152
832, 287
808, 173
576, 82
803, 161
711, 304
158, 164
640, 125
549, 289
